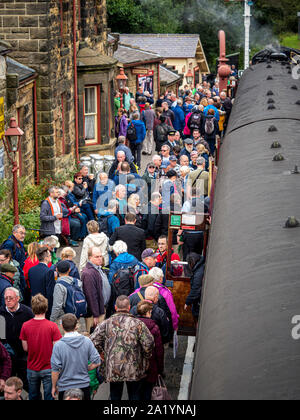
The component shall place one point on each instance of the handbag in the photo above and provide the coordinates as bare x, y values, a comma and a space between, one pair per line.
159, 391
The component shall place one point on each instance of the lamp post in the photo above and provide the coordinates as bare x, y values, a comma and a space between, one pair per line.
189, 77
11, 140
121, 81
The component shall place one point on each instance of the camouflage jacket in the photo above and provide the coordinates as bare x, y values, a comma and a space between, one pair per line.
127, 346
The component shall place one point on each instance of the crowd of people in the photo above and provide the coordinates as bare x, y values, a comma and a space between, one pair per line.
119, 286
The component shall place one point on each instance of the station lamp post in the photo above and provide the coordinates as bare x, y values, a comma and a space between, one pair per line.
11, 140
189, 77
121, 81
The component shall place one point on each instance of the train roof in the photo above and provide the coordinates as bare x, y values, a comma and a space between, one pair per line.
245, 348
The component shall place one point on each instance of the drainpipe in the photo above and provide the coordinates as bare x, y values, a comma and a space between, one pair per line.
75, 83
224, 70
37, 168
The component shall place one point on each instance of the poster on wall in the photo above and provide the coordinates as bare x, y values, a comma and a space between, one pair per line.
146, 81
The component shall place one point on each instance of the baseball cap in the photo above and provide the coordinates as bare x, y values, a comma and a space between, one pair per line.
165, 164
149, 252
173, 158
8, 268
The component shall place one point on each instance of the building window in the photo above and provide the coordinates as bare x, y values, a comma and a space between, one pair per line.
92, 114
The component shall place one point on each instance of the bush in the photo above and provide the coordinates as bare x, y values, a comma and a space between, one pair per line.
29, 220
30, 197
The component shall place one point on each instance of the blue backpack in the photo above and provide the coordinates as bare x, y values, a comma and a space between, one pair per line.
76, 302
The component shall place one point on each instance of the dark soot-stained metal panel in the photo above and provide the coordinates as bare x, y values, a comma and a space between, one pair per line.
251, 103
245, 349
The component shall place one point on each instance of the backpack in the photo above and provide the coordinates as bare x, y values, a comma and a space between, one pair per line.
194, 120
131, 133
76, 302
162, 132
209, 126
123, 282
103, 224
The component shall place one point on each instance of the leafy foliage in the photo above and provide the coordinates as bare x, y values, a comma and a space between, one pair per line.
270, 19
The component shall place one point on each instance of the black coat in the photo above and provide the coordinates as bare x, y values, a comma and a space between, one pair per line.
80, 192
161, 320
133, 236
41, 280
192, 242
150, 220
13, 325
194, 296
162, 304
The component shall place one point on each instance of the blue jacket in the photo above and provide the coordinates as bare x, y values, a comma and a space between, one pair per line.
16, 248
106, 191
4, 284
112, 222
179, 121
140, 131
122, 261
217, 115
126, 150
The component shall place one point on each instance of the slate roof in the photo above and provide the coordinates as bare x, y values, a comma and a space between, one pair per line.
5, 47
166, 45
91, 58
22, 71
168, 76
128, 55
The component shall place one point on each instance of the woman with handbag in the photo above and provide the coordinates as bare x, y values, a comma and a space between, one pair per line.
156, 363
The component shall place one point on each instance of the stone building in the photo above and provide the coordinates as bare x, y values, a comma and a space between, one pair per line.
65, 42
180, 52
140, 67
17, 99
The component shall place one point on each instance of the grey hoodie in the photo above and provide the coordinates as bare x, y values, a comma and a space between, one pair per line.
70, 357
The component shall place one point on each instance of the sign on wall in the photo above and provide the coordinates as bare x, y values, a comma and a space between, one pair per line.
146, 81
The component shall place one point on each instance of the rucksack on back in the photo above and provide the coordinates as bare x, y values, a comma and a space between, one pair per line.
103, 224
131, 132
194, 120
209, 126
123, 282
76, 302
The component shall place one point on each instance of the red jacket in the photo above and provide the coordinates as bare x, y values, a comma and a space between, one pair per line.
5, 363
161, 259
156, 363
65, 224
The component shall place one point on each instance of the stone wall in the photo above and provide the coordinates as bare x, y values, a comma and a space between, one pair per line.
41, 33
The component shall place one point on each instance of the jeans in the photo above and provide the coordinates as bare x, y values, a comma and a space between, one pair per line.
87, 209
136, 153
34, 382
75, 227
133, 389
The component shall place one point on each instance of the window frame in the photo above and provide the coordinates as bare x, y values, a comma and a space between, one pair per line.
91, 142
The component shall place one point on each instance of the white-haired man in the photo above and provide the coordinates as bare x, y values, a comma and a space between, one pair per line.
15, 314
